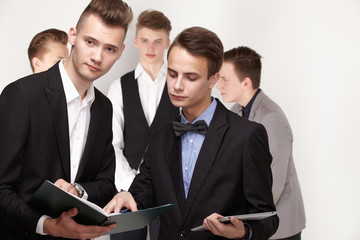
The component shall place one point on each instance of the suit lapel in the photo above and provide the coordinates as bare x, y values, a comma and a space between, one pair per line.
57, 102
259, 98
207, 155
176, 170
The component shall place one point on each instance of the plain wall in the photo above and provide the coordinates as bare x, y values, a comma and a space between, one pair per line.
311, 68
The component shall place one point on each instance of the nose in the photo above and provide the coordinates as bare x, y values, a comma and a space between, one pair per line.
219, 84
179, 84
151, 45
97, 55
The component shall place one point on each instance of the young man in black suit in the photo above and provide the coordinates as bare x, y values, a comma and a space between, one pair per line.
56, 125
218, 166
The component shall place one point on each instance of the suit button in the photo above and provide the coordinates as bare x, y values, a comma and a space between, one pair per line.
183, 234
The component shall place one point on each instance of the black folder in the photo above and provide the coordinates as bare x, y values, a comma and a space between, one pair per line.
52, 201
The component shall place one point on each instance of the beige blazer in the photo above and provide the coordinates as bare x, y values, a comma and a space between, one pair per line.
286, 187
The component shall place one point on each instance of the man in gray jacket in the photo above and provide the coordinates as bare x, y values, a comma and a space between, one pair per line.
240, 82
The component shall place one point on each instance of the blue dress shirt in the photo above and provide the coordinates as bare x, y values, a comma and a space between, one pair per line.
191, 143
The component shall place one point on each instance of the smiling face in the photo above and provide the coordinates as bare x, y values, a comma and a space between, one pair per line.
151, 45
188, 84
95, 48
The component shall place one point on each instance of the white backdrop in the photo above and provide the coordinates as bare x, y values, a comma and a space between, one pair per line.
311, 68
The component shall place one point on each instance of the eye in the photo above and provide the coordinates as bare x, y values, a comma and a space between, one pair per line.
89, 42
144, 40
158, 42
171, 74
192, 78
110, 49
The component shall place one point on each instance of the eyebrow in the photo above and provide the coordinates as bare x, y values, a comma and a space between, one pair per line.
158, 39
187, 73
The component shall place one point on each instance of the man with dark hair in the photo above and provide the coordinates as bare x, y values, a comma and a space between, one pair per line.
47, 48
211, 164
141, 104
56, 125
240, 83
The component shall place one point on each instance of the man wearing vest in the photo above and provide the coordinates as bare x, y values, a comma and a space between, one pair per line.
141, 104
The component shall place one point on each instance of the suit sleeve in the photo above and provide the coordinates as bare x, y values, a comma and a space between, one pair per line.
280, 141
142, 188
14, 128
257, 179
124, 174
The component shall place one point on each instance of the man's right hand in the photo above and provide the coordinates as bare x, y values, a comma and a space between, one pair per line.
121, 200
65, 226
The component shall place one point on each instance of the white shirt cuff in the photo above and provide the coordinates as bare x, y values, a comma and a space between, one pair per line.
40, 225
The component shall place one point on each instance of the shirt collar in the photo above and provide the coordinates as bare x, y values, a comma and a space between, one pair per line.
207, 115
70, 91
140, 70
247, 109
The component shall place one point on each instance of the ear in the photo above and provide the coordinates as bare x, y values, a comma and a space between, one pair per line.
213, 80
247, 82
136, 42
36, 63
167, 43
72, 36
121, 51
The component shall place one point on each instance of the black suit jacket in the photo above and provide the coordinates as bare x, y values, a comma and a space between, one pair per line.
34, 146
232, 176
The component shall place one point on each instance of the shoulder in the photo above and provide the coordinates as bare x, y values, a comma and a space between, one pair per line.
102, 100
267, 109
128, 76
26, 86
272, 117
236, 124
115, 88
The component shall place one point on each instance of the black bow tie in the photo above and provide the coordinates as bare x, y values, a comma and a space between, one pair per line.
198, 127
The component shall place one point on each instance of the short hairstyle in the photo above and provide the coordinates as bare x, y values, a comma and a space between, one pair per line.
201, 42
113, 13
37, 46
247, 63
154, 20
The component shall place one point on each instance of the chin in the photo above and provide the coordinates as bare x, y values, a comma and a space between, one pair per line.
177, 103
225, 100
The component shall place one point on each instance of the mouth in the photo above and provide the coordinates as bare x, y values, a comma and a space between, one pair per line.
93, 68
150, 55
177, 97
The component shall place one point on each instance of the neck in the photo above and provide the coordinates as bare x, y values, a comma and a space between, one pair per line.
80, 84
152, 69
246, 99
193, 113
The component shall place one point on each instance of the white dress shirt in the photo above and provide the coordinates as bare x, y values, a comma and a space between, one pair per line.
78, 122
150, 92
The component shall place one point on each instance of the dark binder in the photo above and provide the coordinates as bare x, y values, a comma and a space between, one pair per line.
52, 201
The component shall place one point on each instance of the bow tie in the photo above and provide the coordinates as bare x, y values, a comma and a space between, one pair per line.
198, 127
